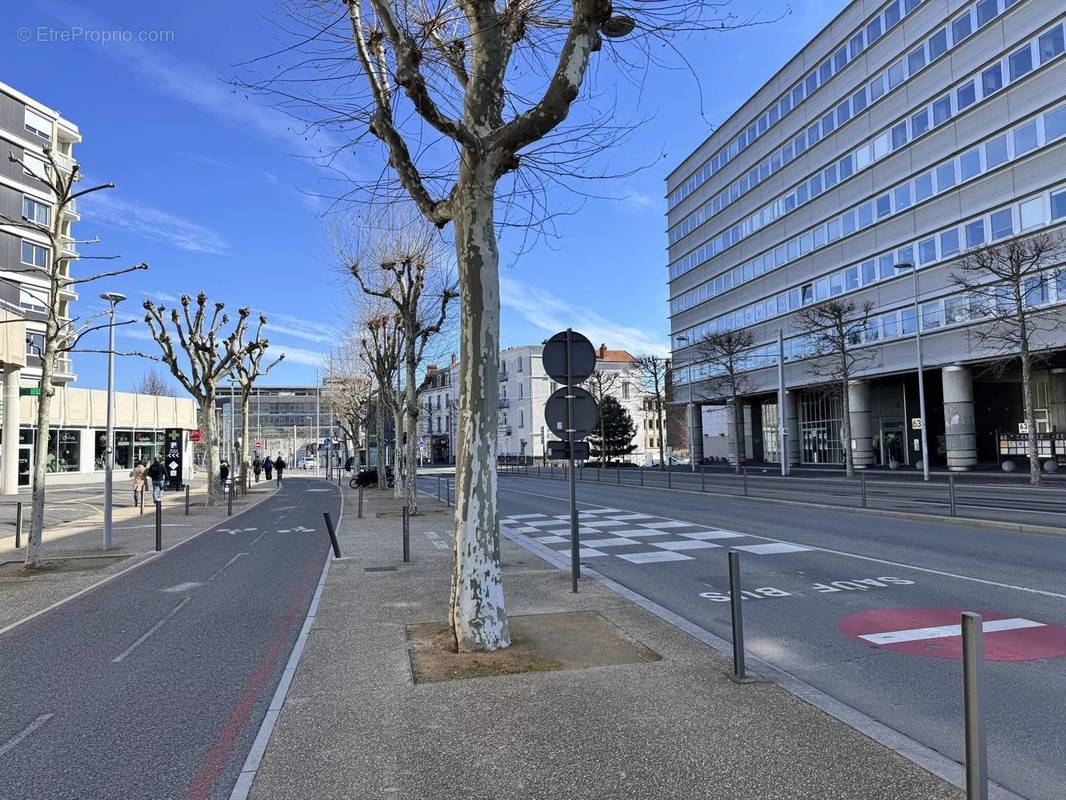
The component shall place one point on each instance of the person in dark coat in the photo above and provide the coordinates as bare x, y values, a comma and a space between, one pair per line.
223, 473
257, 467
157, 474
268, 467
279, 465
348, 463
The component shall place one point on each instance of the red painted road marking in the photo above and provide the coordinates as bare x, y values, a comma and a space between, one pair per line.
936, 632
216, 759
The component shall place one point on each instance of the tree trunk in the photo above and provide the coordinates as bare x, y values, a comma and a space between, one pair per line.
35, 542
211, 441
849, 457
379, 418
399, 450
738, 430
476, 612
246, 401
1030, 414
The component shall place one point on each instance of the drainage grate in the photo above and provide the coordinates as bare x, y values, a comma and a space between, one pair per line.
379, 569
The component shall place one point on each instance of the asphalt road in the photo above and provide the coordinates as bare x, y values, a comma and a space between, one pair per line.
994, 497
808, 572
155, 684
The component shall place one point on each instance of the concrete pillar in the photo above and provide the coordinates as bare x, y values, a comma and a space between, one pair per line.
695, 426
862, 448
731, 435
9, 466
1057, 397
791, 418
959, 426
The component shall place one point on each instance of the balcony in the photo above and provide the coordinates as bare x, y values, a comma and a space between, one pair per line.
505, 402
63, 161
71, 209
69, 246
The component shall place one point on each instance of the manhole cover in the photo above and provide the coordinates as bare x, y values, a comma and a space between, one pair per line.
379, 569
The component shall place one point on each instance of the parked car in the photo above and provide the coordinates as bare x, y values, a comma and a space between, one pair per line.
368, 476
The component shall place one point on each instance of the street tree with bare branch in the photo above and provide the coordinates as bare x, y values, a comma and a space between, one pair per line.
406, 268
465, 99
833, 330
381, 346
348, 390
202, 356
154, 383
1007, 285
725, 353
62, 333
654, 370
248, 369
601, 384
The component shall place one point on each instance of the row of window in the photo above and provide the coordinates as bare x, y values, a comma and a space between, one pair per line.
865, 36
35, 210
887, 80
979, 159
943, 245
38, 124
1039, 51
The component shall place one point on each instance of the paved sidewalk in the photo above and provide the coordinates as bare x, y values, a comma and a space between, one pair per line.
354, 725
78, 546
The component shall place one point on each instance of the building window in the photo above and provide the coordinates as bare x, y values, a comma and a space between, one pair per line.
1051, 44
821, 415
521, 418
64, 451
35, 211
39, 125
34, 255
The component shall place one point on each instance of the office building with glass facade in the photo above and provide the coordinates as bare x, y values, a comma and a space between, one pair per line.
906, 133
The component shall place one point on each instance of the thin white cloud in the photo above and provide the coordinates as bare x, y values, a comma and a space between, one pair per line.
297, 328
153, 224
551, 314
297, 355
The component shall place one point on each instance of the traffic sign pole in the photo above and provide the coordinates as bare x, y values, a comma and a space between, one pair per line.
575, 543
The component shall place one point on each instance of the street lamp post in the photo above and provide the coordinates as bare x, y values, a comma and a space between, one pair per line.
688, 413
113, 298
921, 376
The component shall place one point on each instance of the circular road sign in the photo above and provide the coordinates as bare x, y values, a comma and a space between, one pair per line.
937, 633
586, 415
582, 357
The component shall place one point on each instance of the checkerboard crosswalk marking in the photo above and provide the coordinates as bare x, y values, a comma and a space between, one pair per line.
637, 538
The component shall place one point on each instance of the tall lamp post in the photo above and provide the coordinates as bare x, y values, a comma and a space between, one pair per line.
688, 412
921, 376
113, 298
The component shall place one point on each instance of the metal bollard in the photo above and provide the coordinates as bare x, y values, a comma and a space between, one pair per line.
669, 477
142, 498
438, 489
703, 478
158, 525
360, 501
744, 471
641, 468
18, 525
332, 535
448, 491
618, 473
229, 499
735, 599
973, 656
862, 487
187, 499
406, 535
951, 493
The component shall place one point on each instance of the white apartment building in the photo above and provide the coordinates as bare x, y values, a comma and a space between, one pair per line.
524, 391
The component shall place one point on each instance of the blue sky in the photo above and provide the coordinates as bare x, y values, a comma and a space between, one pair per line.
217, 191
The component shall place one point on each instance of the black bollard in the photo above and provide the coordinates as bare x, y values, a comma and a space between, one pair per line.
18, 525
406, 535
332, 535
158, 525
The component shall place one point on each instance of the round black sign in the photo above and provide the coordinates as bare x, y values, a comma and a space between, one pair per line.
586, 415
582, 357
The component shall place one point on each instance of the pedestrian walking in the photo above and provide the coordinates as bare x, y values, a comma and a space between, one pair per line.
257, 467
137, 482
223, 473
157, 473
348, 464
268, 467
279, 465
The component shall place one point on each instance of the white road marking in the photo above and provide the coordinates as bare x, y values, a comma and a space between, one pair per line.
617, 541
947, 631
773, 548
713, 535
688, 544
182, 587
435, 540
525, 516
845, 554
224, 567
122, 656
589, 552
667, 523
256, 539
551, 539
15, 740
655, 557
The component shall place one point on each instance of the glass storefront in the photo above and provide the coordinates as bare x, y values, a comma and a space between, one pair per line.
64, 450
131, 447
771, 442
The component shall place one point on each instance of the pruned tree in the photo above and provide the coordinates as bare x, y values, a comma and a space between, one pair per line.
463, 96
348, 390
616, 431
248, 368
600, 384
653, 371
62, 332
381, 346
725, 353
833, 330
154, 383
202, 356
1008, 286
405, 267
